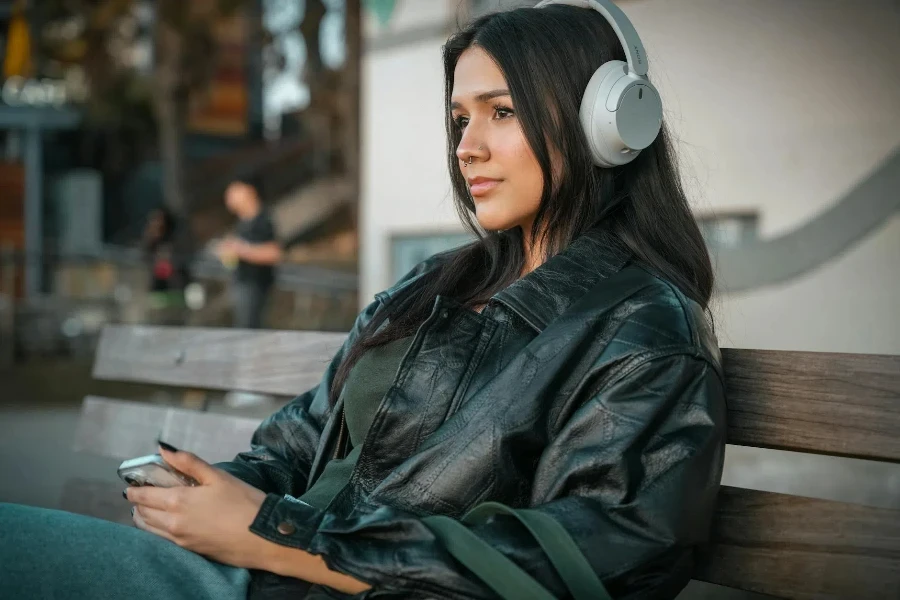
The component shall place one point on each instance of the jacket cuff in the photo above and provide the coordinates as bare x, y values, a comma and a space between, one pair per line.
287, 522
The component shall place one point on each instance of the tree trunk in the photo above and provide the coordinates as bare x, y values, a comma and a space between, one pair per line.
310, 28
170, 100
168, 106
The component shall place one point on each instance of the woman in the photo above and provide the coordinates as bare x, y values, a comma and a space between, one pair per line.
562, 363
159, 236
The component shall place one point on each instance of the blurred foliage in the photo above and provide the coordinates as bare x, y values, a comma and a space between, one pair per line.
99, 35
102, 39
144, 61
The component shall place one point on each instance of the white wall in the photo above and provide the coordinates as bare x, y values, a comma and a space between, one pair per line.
779, 106
852, 304
791, 104
405, 187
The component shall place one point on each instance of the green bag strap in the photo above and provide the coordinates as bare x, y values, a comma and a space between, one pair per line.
491, 566
504, 576
567, 558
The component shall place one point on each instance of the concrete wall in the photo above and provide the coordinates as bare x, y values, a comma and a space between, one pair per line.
851, 304
779, 107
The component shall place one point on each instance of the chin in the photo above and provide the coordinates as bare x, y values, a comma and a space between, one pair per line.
490, 221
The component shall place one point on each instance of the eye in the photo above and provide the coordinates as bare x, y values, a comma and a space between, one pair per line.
503, 112
461, 121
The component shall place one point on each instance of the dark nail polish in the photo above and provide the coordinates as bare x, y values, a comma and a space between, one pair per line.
166, 446
125, 494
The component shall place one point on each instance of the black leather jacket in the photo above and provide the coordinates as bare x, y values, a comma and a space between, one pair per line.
590, 390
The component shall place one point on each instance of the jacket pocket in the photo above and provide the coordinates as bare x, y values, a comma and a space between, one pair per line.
447, 478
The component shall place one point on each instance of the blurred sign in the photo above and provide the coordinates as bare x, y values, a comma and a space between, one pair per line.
221, 108
19, 91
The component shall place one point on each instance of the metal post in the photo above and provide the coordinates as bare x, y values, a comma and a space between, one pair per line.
8, 270
34, 212
254, 70
7, 305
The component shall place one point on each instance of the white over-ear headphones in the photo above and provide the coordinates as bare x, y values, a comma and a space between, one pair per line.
620, 111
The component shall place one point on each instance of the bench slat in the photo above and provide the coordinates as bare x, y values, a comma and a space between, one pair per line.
837, 404
825, 403
120, 429
272, 362
804, 548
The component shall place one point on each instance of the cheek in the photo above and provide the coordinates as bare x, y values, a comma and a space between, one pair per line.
524, 184
527, 176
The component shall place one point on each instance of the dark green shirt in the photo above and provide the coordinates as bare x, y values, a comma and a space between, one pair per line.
366, 386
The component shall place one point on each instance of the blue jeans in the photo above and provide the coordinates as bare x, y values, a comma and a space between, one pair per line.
249, 299
48, 554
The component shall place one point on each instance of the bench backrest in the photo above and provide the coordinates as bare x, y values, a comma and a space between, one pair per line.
788, 546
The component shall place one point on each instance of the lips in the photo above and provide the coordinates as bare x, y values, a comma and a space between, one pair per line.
479, 186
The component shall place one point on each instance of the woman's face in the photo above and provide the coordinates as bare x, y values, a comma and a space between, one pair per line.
503, 175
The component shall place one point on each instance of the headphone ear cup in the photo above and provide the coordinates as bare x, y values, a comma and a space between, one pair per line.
621, 114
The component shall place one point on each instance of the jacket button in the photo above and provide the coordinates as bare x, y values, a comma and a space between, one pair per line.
285, 528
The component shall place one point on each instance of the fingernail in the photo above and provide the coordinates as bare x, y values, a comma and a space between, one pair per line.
125, 494
166, 446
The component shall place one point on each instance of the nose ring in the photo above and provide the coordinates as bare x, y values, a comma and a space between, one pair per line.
466, 164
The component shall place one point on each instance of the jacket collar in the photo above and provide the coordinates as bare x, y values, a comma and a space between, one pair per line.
548, 291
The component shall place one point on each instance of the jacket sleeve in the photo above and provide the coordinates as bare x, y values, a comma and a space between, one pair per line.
283, 447
634, 471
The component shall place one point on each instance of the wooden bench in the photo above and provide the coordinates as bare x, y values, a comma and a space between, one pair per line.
789, 546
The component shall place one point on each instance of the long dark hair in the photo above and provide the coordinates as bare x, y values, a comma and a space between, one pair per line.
169, 223
547, 57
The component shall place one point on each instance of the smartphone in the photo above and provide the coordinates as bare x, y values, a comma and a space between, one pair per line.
154, 471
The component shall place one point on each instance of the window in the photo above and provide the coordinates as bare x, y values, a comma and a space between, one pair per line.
409, 250
729, 230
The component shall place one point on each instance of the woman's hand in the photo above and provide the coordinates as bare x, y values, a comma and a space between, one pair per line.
212, 519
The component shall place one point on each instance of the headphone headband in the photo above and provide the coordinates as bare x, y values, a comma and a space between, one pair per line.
625, 31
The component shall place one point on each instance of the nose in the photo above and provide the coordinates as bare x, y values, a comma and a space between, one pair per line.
472, 146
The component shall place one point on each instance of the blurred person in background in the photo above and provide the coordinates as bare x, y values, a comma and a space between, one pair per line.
541, 409
168, 271
252, 254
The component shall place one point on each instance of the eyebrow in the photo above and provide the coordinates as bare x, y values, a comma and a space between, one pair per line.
483, 97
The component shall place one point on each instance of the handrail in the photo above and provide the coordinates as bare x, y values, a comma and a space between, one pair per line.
289, 276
